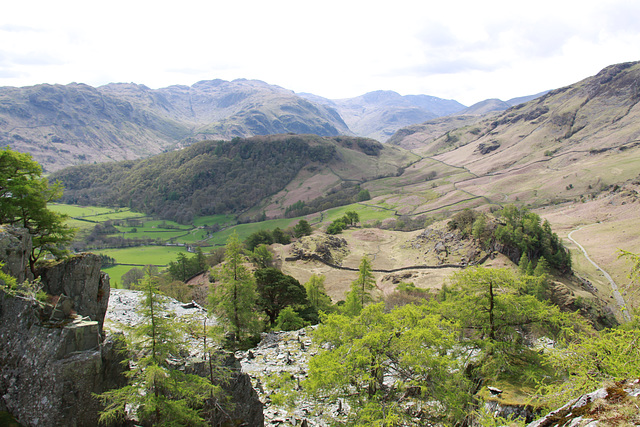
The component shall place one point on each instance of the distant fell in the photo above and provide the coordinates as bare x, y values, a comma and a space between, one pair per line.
379, 114
62, 125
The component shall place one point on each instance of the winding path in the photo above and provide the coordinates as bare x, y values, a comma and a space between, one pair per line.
622, 305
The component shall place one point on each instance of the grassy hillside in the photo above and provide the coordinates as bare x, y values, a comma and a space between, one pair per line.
215, 177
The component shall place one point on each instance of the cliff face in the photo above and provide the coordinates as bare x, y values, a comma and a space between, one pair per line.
53, 357
51, 362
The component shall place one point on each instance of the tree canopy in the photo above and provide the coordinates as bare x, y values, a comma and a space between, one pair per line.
24, 194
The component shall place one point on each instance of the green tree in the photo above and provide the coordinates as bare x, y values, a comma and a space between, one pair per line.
24, 194
409, 343
132, 278
352, 217
336, 226
316, 293
261, 257
276, 291
289, 320
261, 237
583, 366
365, 282
363, 196
490, 307
233, 296
157, 392
542, 268
280, 236
302, 228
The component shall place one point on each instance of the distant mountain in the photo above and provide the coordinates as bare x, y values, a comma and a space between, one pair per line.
380, 114
76, 123
413, 136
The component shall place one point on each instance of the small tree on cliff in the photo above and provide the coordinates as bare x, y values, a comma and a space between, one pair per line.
24, 194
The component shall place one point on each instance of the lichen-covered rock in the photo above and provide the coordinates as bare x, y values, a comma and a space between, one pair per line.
48, 371
80, 279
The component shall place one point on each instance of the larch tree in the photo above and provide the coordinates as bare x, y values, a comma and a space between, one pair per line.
157, 391
233, 296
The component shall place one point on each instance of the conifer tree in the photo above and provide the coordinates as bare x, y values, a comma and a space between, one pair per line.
316, 293
365, 282
157, 391
233, 297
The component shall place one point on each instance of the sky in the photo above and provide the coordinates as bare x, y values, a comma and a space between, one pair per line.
463, 50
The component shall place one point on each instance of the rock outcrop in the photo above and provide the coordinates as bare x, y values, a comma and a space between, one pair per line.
80, 279
15, 248
52, 359
616, 404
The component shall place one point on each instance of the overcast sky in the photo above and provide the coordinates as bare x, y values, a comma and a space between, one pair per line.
463, 50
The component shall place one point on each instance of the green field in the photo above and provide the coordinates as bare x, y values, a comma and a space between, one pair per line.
142, 227
141, 255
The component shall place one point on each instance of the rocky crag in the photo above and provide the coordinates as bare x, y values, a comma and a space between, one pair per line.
56, 351
53, 354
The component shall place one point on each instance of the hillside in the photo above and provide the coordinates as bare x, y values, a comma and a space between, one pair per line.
214, 177
380, 114
63, 125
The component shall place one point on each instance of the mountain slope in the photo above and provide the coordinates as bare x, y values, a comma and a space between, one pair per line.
380, 114
216, 177
571, 142
76, 123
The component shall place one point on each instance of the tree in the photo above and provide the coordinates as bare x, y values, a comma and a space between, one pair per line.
410, 344
233, 296
489, 306
336, 226
261, 237
316, 293
302, 228
583, 366
365, 282
132, 278
363, 195
289, 320
157, 391
352, 217
24, 194
280, 236
261, 257
276, 291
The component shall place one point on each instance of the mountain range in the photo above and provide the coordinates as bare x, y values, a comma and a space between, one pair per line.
63, 125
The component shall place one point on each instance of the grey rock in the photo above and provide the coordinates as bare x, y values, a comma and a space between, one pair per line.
80, 279
48, 373
15, 248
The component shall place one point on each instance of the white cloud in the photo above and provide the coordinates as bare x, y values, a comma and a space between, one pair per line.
464, 50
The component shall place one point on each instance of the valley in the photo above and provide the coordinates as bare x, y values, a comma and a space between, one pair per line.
472, 260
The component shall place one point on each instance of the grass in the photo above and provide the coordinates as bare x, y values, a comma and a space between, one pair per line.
143, 255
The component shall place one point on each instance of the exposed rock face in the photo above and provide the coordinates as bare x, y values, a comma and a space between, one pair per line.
80, 279
51, 363
613, 405
15, 248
